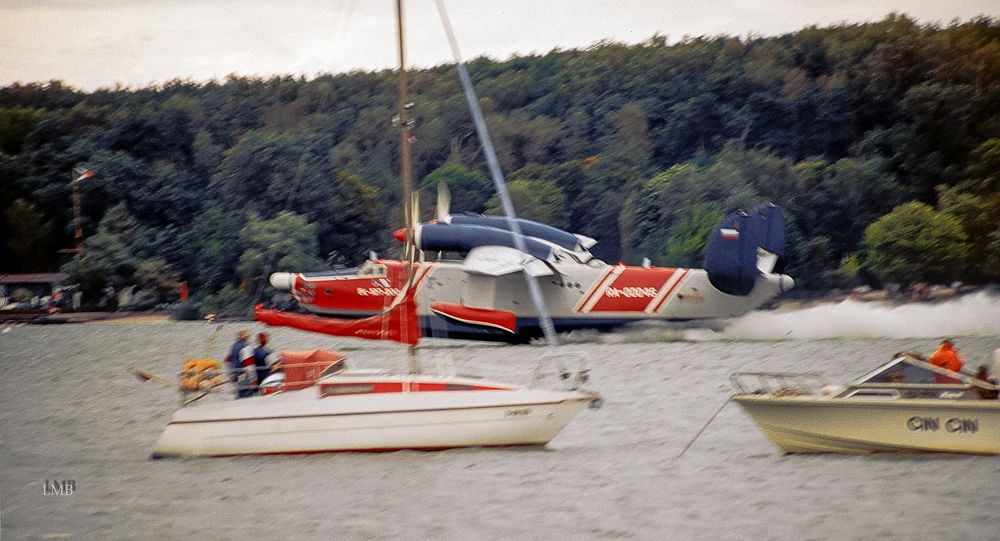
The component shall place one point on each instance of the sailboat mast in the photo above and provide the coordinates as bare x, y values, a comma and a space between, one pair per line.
405, 137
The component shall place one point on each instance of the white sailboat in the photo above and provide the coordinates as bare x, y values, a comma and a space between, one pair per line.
334, 409
372, 410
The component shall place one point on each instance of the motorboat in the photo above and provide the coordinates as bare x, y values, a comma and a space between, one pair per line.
905, 405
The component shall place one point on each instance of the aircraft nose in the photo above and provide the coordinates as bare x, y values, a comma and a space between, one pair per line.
283, 280
400, 234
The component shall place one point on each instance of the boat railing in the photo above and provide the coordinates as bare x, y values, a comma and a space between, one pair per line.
777, 383
562, 371
948, 391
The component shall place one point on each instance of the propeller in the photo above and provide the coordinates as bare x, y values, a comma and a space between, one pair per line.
411, 228
443, 203
414, 211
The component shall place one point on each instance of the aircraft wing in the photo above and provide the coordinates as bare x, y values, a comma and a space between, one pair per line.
501, 260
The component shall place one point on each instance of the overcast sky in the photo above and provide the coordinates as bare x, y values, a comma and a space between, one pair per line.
100, 43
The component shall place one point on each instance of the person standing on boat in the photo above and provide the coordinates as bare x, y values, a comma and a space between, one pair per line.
263, 358
240, 363
996, 366
946, 357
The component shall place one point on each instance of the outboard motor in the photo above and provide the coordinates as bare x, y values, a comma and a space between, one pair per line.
743, 245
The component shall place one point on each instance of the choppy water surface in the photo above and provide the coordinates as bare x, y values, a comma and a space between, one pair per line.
69, 410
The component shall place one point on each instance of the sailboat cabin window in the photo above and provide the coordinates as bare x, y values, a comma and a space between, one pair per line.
341, 389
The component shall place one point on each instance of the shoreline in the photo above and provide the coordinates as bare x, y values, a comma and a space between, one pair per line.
62, 318
796, 300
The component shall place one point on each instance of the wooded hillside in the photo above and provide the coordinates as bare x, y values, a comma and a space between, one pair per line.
642, 147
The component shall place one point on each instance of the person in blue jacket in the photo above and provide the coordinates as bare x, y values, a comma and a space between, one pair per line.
262, 357
239, 362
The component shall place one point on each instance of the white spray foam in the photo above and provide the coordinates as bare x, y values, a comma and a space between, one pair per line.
971, 315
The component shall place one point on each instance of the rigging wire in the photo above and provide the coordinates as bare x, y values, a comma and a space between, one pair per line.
548, 329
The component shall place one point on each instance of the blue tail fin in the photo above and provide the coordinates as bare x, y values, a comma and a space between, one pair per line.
731, 256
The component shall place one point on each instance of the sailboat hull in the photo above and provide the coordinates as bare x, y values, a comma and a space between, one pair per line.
303, 422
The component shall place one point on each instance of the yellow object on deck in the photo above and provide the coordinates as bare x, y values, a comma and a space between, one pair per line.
200, 374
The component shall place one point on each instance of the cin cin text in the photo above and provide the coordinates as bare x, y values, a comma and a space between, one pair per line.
933, 424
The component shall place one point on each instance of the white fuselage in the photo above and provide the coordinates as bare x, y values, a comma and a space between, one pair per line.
577, 295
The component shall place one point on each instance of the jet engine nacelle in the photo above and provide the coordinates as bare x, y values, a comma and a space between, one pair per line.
563, 239
462, 238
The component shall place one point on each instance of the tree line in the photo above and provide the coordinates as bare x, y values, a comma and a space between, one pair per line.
880, 141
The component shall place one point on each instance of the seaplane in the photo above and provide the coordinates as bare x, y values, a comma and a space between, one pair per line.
471, 285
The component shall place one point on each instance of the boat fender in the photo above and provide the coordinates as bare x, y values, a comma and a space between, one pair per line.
200, 374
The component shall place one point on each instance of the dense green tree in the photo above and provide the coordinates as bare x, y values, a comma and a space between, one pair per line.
689, 236
915, 243
975, 202
211, 249
470, 189
349, 219
263, 173
682, 197
28, 237
534, 199
286, 242
15, 125
108, 259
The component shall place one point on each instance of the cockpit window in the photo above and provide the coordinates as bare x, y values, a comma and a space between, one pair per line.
370, 268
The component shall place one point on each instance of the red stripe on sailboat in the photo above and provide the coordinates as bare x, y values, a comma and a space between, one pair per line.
399, 323
498, 319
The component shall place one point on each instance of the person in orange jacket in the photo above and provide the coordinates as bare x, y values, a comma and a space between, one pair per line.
946, 357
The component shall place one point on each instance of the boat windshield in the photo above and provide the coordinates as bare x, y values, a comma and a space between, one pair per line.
908, 370
901, 371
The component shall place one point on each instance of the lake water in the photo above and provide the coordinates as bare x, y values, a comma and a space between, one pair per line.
70, 410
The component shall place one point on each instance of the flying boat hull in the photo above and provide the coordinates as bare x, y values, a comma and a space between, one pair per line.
595, 296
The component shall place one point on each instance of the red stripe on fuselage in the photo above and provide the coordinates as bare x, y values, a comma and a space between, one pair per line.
682, 275
598, 286
631, 289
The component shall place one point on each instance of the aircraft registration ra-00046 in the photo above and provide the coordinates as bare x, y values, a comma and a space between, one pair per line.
481, 293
